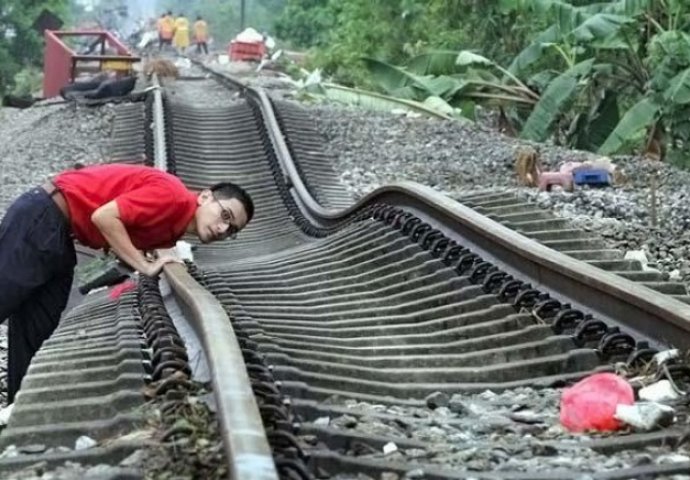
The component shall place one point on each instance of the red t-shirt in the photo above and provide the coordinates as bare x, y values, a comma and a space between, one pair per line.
154, 206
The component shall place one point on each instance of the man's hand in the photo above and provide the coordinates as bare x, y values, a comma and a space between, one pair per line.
153, 269
107, 220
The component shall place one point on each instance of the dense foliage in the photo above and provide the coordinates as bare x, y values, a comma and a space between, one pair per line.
606, 76
20, 45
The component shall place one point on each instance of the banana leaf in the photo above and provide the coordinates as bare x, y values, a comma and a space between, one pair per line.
390, 77
599, 27
435, 62
533, 51
621, 7
398, 82
444, 86
466, 58
643, 114
439, 105
551, 103
378, 102
678, 91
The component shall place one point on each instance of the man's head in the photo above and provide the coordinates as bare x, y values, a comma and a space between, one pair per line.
222, 211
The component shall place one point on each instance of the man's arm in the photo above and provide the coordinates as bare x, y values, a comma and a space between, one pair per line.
107, 220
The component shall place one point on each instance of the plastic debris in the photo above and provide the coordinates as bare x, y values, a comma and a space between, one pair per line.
389, 448
5, 414
645, 415
638, 255
322, 421
591, 403
184, 250
665, 356
249, 35
123, 287
661, 391
10, 452
84, 443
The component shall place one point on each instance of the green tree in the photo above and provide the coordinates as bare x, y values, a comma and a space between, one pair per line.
20, 45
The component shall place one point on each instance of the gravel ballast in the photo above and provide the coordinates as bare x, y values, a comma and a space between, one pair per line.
41, 141
372, 149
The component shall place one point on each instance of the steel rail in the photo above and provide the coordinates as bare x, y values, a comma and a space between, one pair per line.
246, 446
607, 296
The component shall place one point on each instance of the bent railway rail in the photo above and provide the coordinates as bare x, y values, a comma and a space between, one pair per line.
347, 316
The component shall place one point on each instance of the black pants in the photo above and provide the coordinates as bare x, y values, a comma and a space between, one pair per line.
37, 260
164, 42
201, 46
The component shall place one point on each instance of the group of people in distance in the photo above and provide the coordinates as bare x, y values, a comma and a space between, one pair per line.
175, 32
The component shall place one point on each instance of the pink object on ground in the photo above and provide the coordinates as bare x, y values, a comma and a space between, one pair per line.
124, 287
591, 403
548, 179
568, 167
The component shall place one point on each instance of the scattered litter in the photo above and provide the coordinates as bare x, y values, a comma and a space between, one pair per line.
591, 403
184, 250
665, 356
645, 415
661, 391
389, 448
10, 452
182, 63
322, 421
124, 287
84, 443
526, 416
638, 255
5, 414
249, 35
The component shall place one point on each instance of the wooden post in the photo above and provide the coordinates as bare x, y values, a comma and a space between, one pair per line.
653, 186
243, 11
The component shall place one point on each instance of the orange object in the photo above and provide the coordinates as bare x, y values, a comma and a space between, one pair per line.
166, 27
200, 31
591, 403
243, 51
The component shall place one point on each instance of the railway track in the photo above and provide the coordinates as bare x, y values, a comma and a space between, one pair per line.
403, 335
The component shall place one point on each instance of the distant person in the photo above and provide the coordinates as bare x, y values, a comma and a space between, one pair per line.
166, 29
181, 38
201, 35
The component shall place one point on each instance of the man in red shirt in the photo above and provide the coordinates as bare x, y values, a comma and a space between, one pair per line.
126, 208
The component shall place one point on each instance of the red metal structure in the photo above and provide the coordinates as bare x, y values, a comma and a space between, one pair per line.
243, 51
61, 65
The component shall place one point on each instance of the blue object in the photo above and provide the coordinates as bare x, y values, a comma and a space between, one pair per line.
599, 177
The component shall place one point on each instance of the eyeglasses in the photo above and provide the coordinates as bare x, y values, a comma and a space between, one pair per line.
228, 218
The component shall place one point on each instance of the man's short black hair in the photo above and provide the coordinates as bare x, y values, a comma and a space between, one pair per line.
228, 190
